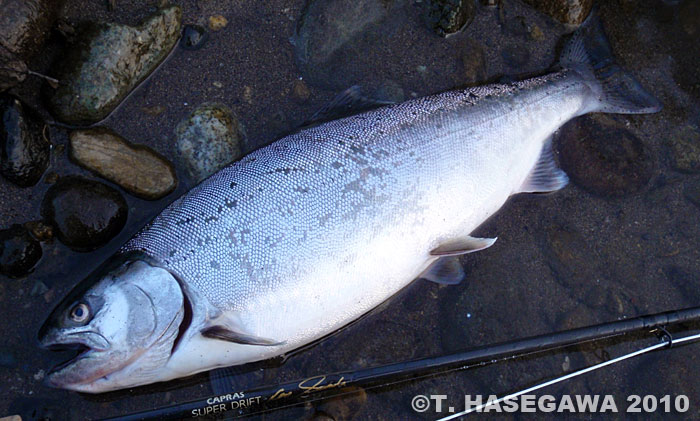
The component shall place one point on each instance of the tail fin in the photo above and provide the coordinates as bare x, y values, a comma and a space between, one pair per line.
588, 51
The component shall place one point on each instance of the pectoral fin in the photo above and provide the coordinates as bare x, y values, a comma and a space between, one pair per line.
463, 246
226, 334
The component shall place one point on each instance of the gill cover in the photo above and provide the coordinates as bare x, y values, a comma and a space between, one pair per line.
126, 323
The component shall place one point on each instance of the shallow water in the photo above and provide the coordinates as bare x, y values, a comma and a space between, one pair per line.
564, 260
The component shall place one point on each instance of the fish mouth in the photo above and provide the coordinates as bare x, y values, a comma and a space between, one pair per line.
71, 373
80, 351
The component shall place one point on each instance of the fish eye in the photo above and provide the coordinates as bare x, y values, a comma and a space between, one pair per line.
80, 313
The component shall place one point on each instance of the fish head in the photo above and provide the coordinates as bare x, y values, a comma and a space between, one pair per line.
124, 325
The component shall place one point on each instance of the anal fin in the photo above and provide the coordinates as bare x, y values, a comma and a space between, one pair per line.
545, 176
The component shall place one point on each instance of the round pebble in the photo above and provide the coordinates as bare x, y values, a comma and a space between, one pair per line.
193, 37
86, 214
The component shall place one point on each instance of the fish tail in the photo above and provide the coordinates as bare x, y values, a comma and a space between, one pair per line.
588, 52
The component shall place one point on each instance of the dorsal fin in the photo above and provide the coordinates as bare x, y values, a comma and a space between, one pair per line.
347, 103
545, 175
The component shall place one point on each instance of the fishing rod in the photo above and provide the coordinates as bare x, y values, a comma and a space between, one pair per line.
666, 341
266, 398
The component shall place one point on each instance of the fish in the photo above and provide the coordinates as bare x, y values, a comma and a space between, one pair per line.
303, 236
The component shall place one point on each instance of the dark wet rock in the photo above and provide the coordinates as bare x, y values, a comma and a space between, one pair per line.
24, 25
208, 139
571, 12
40, 230
326, 26
12, 72
107, 61
138, 169
86, 214
602, 156
515, 57
24, 146
446, 17
193, 37
19, 252
345, 407
684, 149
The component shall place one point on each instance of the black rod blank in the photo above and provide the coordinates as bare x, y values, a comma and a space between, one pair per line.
241, 403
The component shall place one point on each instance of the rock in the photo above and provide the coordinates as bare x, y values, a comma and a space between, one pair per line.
138, 169
446, 17
684, 149
193, 37
570, 12
13, 71
86, 214
208, 139
24, 25
602, 156
19, 252
300, 91
217, 22
106, 62
39, 230
24, 145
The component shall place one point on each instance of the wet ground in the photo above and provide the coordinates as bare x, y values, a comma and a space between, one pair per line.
596, 251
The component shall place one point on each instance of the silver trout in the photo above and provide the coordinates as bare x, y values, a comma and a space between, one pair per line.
303, 236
